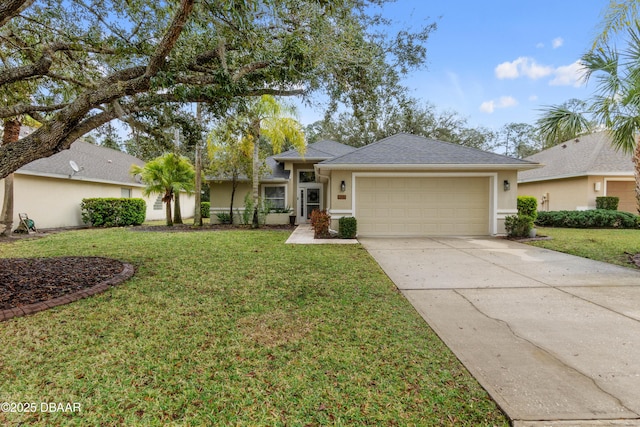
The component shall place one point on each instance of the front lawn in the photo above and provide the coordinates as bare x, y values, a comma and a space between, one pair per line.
232, 328
608, 245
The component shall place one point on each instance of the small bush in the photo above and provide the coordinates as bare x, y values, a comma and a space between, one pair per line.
528, 206
347, 227
113, 212
205, 209
595, 218
320, 221
518, 225
607, 202
224, 218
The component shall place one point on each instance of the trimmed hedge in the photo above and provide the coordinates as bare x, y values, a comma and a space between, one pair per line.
595, 218
607, 202
518, 225
528, 206
320, 221
113, 212
205, 209
347, 227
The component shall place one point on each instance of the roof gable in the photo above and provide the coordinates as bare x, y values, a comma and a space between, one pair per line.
407, 149
586, 155
97, 163
321, 150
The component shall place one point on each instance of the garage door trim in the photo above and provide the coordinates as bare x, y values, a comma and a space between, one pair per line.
493, 189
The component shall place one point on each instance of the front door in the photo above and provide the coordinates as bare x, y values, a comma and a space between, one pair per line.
309, 199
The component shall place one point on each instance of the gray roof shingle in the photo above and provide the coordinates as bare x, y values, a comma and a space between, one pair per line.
325, 149
97, 163
407, 149
587, 155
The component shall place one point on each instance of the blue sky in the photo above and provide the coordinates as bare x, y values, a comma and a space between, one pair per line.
499, 61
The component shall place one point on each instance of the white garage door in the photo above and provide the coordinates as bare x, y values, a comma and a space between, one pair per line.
422, 206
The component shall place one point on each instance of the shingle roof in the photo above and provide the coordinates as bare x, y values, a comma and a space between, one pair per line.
407, 149
587, 155
97, 163
320, 150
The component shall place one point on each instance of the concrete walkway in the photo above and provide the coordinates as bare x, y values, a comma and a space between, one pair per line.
303, 235
553, 338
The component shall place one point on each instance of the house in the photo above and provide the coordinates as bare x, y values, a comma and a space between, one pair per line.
403, 185
576, 172
51, 189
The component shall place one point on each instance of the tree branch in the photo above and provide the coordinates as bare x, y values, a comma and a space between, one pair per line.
11, 8
17, 110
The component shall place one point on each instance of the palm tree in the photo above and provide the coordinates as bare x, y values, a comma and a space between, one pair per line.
616, 105
166, 175
266, 119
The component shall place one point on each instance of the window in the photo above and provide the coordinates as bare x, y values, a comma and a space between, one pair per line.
157, 206
125, 193
307, 176
275, 195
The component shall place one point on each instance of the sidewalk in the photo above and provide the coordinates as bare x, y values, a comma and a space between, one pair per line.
303, 235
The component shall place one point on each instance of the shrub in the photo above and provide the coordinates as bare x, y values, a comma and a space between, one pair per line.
224, 218
347, 227
528, 206
518, 225
113, 212
205, 209
320, 221
607, 202
595, 218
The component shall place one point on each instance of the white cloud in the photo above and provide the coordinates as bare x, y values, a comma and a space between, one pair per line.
487, 107
522, 67
557, 42
533, 98
502, 102
569, 75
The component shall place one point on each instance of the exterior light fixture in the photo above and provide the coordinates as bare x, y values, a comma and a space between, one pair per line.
506, 185
343, 186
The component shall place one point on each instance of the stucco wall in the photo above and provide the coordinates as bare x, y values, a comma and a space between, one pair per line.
55, 202
572, 193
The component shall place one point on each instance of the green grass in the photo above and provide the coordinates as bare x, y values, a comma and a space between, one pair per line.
608, 245
233, 328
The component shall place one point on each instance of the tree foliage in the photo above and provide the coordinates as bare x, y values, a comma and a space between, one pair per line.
167, 175
83, 65
616, 104
400, 114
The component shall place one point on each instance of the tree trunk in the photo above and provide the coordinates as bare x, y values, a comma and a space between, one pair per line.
177, 213
234, 185
256, 172
636, 164
11, 135
197, 215
167, 211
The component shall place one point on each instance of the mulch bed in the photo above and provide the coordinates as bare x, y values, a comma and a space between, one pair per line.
27, 281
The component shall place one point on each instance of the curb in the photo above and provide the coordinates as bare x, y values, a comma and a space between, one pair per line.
10, 313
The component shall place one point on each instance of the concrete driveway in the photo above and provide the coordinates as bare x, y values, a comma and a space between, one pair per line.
553, 338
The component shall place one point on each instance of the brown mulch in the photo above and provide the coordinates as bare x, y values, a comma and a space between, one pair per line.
25, 281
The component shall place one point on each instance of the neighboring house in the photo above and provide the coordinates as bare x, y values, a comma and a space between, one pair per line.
403, 185
577, 171
50, 191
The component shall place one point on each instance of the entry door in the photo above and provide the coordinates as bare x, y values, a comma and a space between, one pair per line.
309, 199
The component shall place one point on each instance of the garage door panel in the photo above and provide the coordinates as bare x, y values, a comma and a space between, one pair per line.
422, 206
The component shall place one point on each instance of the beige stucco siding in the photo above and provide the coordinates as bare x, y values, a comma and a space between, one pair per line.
55, 202
579, 193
